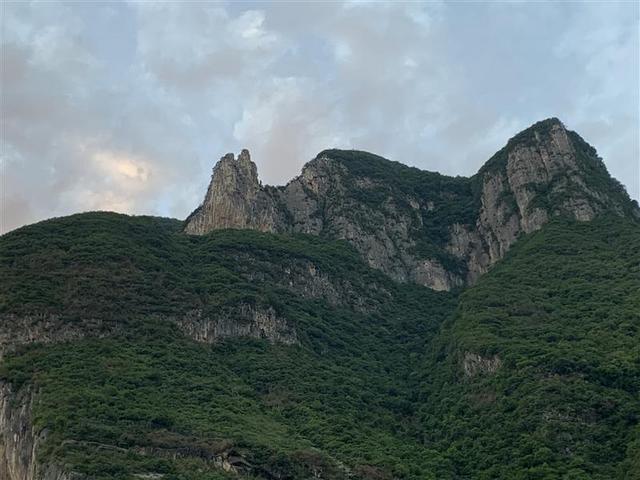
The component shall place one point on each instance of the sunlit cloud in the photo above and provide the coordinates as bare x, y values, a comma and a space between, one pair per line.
123, 167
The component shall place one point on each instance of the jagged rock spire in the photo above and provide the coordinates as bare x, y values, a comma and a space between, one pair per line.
234, 199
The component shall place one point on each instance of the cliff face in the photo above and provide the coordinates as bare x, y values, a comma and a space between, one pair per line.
19, 439
16, 330
543, 172
240, 321
17, 455
417, 226
235, 199
324, 201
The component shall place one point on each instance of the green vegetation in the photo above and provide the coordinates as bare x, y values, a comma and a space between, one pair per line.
376, 387
342, 395
113, 265
597, 176
562, 313
452, 197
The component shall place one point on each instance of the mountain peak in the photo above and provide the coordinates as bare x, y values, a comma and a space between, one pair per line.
417, 226
543, 172
242, 167
552, 169
235, 198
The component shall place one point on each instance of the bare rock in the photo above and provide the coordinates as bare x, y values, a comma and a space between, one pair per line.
241, 320
20, 441
542, 172
474, 364
16, 330
235, 199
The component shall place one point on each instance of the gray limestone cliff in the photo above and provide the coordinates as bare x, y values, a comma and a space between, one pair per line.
544, 171
16, 330
19, 439
474, 364
235, 199
241, 320
417, 226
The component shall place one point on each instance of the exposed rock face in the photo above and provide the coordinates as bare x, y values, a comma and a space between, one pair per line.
17, 459
235, 199
18, 330
433, 275
19, 440
319, 202
543, 172
474, 364
241, 320
543, 177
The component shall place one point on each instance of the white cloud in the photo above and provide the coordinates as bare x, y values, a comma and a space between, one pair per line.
128, 106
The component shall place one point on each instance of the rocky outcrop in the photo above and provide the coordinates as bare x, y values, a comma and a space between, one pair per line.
241, 320
474, 364
235, 199
320, 202
542, 172
20, 441
16, 330
227, 462
541, 176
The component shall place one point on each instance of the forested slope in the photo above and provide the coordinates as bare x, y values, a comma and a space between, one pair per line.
137, 395
537, 374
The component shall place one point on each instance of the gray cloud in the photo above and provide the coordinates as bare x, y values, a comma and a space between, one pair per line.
127, 106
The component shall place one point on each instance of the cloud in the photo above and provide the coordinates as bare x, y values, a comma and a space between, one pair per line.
284, 123
73, 138
197, 47
127, 106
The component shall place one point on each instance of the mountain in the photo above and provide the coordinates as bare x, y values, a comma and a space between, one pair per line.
366, 321
417, 226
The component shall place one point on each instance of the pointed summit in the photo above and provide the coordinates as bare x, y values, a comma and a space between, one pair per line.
543, 172
234, 199
547, 170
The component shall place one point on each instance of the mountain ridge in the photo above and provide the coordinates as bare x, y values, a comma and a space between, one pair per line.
418, 226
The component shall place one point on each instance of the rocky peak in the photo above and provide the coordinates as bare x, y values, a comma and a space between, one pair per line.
544, 171
417, 226
235, 199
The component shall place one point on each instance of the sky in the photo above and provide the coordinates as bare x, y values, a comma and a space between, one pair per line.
126, 106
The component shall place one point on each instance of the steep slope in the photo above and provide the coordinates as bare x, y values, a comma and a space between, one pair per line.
418, 226
537, 375
308, 374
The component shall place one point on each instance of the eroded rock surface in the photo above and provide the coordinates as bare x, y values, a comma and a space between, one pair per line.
19, 439
474, 364
241, 320
544, 171
235, 199
16, 330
